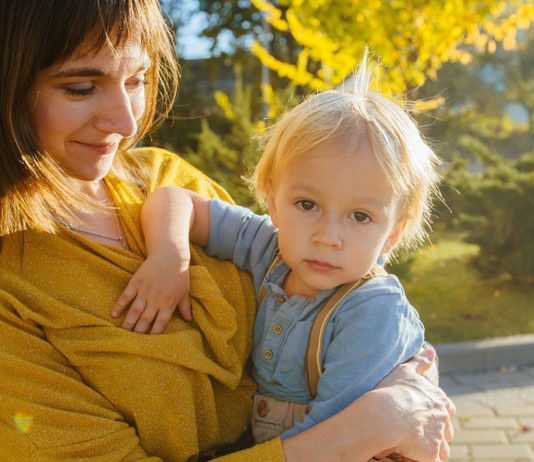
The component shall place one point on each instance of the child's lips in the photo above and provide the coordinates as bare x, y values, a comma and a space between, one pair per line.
322, 266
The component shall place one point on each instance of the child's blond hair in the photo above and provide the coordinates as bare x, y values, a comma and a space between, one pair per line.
409, 163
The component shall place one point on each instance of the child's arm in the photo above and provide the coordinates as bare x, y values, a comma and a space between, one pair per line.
170, 217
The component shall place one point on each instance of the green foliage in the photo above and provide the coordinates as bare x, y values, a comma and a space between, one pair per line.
229, 154
455, 304
495, 207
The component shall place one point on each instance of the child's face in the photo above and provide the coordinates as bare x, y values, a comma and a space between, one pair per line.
336, 213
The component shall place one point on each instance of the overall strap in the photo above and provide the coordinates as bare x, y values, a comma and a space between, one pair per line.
314, 367
261, 294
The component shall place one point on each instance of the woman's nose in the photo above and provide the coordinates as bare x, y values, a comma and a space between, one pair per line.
119, 115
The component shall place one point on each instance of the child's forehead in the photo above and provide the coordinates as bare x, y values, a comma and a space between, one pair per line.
344, 140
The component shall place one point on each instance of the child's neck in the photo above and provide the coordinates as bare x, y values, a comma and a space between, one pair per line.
292, 287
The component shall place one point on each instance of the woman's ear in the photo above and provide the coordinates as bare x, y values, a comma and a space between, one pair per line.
395, 235
271, 203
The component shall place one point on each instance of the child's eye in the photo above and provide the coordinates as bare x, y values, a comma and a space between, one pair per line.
80, 91
306, 205
360, 217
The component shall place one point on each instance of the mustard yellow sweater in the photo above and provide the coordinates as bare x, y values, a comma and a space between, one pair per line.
76, 386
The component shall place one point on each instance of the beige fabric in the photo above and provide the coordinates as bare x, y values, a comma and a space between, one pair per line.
271, 417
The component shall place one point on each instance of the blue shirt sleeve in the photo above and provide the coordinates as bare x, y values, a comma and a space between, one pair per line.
239, 235
368, 339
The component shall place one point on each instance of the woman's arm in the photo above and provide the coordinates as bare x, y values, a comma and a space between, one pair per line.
406, 414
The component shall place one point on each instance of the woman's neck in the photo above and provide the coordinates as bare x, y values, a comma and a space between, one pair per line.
95, 189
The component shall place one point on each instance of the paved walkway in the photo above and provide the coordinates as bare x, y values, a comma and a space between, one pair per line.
495, 415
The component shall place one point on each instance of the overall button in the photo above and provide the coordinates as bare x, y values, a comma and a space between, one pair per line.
278, 329
268, 355
262, 408
280, 299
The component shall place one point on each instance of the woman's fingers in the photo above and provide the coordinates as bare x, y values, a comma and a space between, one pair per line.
451, 408
449, 431
444, 451
424, 360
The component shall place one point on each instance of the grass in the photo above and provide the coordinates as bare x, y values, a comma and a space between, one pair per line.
456, 304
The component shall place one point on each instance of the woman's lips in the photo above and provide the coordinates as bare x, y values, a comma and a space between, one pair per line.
321, 266
100, 148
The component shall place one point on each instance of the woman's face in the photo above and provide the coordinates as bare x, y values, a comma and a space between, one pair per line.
85, 106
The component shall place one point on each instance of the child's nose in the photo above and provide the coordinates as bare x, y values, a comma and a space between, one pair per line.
327, 234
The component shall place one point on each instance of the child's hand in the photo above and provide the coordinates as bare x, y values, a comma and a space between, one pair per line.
155, 290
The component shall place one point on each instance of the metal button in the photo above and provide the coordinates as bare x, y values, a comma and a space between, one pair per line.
278, 329
268, 354
263, 408
280, 299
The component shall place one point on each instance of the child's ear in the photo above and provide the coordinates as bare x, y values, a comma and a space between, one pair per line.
271, 203
395, 235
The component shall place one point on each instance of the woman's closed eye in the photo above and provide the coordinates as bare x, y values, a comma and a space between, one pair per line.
137, 83
80, 90
306, 205
360, 217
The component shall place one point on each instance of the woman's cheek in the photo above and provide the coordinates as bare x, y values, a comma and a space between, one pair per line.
138, 104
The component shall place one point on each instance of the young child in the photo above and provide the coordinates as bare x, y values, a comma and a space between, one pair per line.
348, 180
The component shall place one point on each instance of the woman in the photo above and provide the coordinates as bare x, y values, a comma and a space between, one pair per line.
78, 88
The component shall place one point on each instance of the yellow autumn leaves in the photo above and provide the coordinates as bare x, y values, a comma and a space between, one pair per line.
412, 39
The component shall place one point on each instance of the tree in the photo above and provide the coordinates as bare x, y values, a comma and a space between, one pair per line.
412, 38
228, 154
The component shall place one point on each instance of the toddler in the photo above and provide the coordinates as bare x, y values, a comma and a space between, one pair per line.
348, 181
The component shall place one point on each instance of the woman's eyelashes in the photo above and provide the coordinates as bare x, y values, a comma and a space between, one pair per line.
80, 91
137, 83
89, 88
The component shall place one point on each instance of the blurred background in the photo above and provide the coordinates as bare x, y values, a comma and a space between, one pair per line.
467, 67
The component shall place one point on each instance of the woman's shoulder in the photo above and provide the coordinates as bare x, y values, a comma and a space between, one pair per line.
165, 168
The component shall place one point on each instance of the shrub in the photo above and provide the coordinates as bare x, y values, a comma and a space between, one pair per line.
496, 208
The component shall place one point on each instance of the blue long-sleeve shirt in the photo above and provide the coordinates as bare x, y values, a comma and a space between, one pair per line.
373, 330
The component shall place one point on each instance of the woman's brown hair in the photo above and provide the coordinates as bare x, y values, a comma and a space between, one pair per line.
37, 34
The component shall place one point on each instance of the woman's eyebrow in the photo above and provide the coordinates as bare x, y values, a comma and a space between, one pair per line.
81, 72
91, 72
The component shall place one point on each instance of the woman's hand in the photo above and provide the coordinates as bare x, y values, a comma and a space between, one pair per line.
421, 411
406, 415
159, 286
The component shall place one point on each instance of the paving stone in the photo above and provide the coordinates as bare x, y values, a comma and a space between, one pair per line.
495, 408
461, 389
479, 436
494, 423
521, 437
459, 452
498, 452
525, 410
501, 398
471, 407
